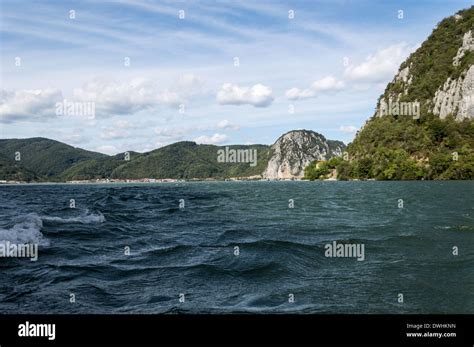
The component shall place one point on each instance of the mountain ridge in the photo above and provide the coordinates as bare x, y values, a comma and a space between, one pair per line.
42, 159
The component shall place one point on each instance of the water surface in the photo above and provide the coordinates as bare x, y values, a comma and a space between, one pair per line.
191, 250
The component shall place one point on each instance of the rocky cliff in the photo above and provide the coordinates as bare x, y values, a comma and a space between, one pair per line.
295, 150
440, 74
436, 141
49, 160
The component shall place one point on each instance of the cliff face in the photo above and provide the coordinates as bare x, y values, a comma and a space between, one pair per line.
295, 150
440, 74
456, 97
434, 138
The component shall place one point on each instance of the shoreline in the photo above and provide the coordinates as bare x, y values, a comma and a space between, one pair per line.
168, 181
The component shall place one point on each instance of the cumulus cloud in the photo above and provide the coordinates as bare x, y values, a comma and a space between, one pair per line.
28, 104
379, 67
257, 95
212, 140
114, 97
326, 84
225, 124
348, 129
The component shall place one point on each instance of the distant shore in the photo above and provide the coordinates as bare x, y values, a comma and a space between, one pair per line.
149, 180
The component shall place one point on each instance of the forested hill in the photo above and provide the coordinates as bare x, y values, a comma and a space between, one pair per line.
424, 124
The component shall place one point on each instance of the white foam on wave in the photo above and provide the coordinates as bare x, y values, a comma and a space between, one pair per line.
26, 230
86, 218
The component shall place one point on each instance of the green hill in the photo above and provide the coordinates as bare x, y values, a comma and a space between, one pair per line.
11, 170
46, 158
189, 160
102, 167
181, 160
438, 141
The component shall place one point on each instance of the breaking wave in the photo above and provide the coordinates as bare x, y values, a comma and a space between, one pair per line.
86, 218
26, 230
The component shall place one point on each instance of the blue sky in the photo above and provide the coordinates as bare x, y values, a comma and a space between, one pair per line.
226, 72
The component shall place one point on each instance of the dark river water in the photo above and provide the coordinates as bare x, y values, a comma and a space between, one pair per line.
233, 247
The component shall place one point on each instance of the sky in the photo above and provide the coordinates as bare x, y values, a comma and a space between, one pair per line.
120, 75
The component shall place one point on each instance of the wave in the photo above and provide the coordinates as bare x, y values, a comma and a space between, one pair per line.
86, 218
26, 230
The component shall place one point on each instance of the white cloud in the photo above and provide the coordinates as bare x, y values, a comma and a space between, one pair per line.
107, 149
114, 97
348, 129
125, 124
110, 97
75, 139
296, 93
172, 132
381, 66
28, 104
190, 84
257, 95
170, 98
214, 139
225, 124
110, 134
129, 97
326, 84
75, 136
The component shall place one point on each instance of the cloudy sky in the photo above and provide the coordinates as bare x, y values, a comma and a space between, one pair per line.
120, 75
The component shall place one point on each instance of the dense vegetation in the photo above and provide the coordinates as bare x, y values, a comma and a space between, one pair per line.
390, 148
40, 158
11, 170
189, 160
48, 160
322, 169
402, 148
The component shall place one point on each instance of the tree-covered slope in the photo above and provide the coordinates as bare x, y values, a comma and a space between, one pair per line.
98, 168
11, 170
189, 160
46, 158
437, 142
